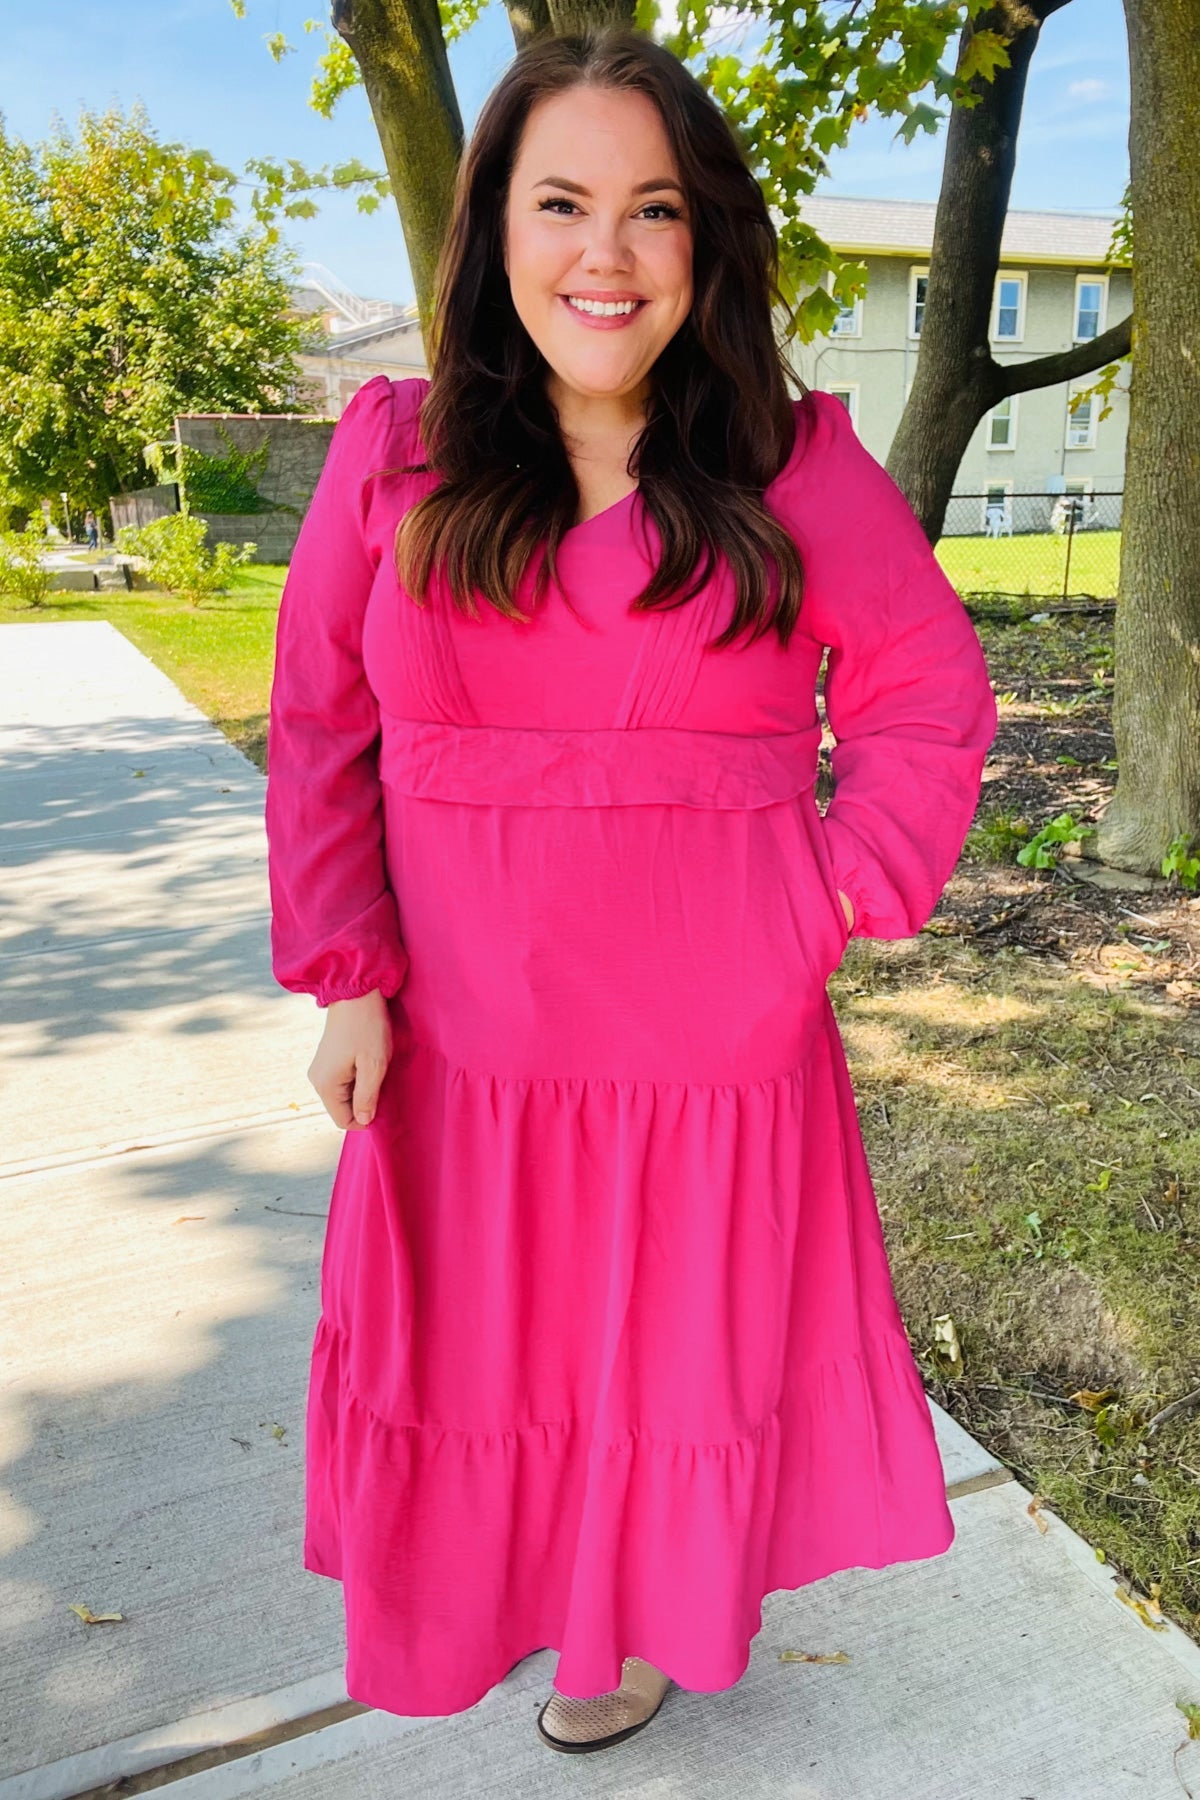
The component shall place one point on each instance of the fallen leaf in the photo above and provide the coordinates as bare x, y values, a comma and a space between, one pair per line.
1191, 1713
811, 1656
1092, 1401
91, 1618
1035, 1513
190, 1218
1137, 1603
946, 1348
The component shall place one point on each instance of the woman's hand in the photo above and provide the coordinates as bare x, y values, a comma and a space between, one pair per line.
847, 907
352, 1059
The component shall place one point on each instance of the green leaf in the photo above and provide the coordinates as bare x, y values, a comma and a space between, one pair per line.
918, 118
986, 51
829, 132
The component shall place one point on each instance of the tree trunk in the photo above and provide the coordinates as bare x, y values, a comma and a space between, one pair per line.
1156, 701
529, 19
957, 379
570, 16
399, 47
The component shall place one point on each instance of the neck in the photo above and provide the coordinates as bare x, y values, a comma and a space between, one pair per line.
597, 427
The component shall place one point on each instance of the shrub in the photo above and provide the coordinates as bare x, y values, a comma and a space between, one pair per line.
22, 573
176, 557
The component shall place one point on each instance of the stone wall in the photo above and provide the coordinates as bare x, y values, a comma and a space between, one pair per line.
298, 448
273, 534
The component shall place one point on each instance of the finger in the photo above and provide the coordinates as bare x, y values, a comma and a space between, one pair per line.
335, 1098
368, 1079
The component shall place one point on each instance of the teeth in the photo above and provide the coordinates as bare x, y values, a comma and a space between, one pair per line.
601, 309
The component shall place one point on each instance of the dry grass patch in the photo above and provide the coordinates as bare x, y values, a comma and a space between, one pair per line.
1037, 1159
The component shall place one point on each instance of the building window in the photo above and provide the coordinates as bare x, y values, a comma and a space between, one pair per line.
848, 395
918, 283
1075, 508
1081, 423
1002, 425
1008, 309
1091, 294
849, 319
997, 509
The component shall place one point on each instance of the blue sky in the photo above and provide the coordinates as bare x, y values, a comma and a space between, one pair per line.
206, 79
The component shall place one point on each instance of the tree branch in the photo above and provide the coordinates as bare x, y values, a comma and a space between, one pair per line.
1065, 365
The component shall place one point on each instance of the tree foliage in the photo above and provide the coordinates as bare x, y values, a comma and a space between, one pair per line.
794, 80
128, 293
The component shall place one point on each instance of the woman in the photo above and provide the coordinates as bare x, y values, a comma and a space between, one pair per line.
608, 1347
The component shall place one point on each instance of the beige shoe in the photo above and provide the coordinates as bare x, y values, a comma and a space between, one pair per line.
580, 1725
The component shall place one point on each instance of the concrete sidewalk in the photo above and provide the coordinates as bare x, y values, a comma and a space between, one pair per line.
164, 1173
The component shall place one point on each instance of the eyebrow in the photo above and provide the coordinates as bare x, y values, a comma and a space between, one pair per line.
573, 187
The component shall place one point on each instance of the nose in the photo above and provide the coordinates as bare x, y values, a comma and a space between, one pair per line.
607, 247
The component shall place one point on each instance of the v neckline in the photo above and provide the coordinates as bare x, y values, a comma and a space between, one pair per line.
605, 513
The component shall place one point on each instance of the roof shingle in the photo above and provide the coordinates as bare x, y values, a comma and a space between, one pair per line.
906, 226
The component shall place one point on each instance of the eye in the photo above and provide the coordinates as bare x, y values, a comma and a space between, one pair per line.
663, 209
546, 205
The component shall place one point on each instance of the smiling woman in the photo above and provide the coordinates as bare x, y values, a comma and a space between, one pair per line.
608, 1347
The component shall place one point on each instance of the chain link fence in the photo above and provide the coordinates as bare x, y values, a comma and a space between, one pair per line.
1033, 546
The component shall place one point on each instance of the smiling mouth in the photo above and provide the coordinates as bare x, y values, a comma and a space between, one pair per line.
603, 309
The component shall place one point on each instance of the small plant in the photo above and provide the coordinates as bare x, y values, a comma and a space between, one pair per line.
1182, 863
1041, 852
996, 837
22, 572
177, 558
1063, 709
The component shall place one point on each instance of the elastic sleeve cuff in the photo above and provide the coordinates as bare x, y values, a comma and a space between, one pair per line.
361, 959
388, 984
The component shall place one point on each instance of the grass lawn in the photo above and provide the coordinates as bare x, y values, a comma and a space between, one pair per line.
1033, 564
220, 654
1028, 1076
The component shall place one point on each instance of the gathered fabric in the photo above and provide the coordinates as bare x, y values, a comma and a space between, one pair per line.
608, 1347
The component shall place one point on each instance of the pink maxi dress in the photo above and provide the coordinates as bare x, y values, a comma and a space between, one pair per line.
608, 1347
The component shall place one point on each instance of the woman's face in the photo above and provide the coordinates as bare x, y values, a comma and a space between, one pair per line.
598, 239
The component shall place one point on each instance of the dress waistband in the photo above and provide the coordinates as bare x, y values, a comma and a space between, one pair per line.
489, 765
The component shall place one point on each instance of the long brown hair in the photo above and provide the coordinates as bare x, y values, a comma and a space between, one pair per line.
719, 423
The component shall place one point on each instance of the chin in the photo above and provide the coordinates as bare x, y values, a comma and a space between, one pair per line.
595, 379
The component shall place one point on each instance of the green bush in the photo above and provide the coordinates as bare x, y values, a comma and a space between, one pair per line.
21, 571
175, 556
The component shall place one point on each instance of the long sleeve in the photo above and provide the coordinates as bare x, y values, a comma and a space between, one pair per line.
907, 695
334, 929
